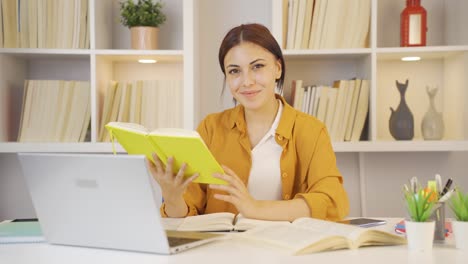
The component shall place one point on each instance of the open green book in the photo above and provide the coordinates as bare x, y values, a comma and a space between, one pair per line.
186, 146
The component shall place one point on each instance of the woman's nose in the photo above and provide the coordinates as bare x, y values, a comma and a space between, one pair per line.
248, 78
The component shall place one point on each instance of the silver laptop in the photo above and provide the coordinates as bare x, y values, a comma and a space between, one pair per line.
103, 201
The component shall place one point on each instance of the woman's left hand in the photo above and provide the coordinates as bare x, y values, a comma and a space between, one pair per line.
238, 195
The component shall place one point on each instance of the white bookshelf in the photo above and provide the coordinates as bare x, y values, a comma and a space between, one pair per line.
108, 58
189, 45
443, 63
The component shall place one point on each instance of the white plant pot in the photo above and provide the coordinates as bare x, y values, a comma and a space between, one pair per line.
460, 232
420, 235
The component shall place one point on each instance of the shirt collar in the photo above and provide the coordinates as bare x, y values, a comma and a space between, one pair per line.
285, 120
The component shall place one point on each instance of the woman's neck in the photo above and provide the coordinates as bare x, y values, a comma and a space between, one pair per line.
264, 116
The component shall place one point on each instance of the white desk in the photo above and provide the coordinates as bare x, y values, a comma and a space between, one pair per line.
230, 251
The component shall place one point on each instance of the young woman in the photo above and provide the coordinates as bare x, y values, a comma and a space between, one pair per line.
278, 161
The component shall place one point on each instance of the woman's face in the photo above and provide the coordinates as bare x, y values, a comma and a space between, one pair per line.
251, 73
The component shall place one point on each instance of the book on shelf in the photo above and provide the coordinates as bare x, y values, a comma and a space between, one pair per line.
301, 13
352, 111
10, 23
323, 103
186, 146
142, 101
361, 111
20, 232
285, 17
55, 111
331, 105
292, 23
307, 24
309, 235
215, 222
347, 110
338, 112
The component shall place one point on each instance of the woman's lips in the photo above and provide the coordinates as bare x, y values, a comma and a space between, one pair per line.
249, 94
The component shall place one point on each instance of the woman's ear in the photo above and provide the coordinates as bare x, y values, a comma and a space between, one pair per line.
279, 70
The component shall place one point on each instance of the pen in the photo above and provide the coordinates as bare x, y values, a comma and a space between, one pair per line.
446, 196
438, 180
446, 187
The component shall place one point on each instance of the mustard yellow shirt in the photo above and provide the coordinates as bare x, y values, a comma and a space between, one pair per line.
308, 163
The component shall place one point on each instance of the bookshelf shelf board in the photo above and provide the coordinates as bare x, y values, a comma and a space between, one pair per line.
362, 146
400, 146
87, 147
138, 52
327, 53
134, 58
45, 52
423, 52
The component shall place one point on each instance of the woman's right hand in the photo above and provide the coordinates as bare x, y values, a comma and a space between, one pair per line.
172, 186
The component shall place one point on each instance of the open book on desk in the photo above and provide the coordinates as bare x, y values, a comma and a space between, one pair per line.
216, 222
309, 235
186, 146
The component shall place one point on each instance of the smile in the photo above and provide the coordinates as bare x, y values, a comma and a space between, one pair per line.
250, 93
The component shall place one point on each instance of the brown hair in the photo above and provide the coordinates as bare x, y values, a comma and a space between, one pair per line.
256, 34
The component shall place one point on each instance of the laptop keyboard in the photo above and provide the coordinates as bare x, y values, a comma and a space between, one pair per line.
177, 241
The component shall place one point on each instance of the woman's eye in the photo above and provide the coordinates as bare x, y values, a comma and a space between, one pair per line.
258, 66
233, 71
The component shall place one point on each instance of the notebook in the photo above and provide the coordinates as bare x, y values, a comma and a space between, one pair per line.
20, 232
186, 146
102, 201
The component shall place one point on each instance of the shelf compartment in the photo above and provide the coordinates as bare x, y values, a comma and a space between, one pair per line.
109, 33
14, 147
445, 69
18, 67
401, 146
446, 22
125, 68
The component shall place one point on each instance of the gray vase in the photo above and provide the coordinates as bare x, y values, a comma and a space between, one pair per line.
401, 123
432, 126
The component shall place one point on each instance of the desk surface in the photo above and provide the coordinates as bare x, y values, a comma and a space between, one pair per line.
230, 251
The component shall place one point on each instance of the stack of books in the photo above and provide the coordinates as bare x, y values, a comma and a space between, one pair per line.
343, 107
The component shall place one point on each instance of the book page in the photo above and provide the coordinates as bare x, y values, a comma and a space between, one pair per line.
175, 132
242, 223
208, 222
295, 238
330, 228
357, 236
129, 126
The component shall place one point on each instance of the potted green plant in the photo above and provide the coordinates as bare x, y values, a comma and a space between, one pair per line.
459, 205
420, 204
143, 18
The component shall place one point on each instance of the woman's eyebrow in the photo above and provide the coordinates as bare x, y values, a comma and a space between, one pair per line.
236, 66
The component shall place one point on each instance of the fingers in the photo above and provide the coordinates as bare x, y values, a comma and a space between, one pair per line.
157, 163
180, 174
230, 177
170, 161
226, 198
189, 180
232, 190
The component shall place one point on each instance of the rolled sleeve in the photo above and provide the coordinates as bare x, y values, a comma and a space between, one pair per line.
324, 192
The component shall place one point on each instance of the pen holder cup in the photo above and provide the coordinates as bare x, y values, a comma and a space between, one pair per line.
439, 218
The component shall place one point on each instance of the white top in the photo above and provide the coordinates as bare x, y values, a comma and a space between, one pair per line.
265, 174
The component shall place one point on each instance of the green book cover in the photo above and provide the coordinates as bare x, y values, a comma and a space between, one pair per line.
20, 232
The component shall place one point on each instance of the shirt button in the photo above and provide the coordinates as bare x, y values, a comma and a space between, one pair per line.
280, 138
286, 196
284, 175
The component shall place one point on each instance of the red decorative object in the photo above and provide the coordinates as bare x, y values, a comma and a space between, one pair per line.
413, 24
